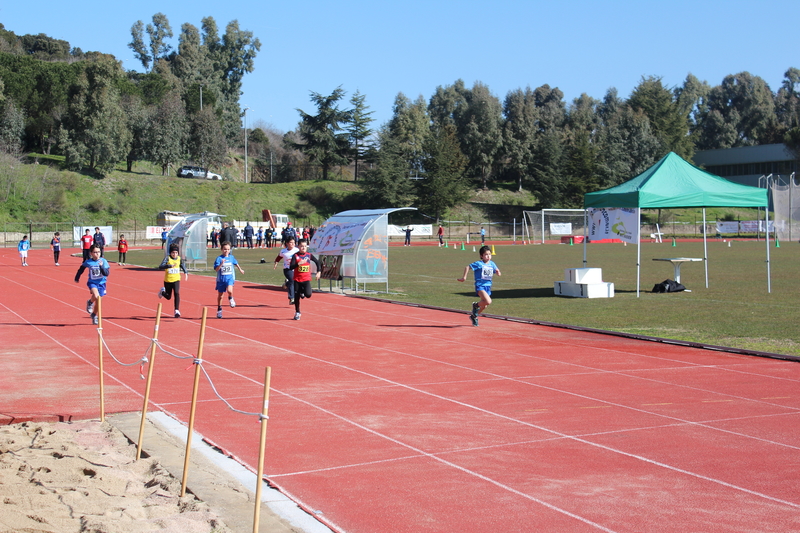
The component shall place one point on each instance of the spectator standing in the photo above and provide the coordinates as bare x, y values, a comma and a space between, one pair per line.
99, 240
55, 245
86, 244
23, 247
122, 248
248, 235
408, 231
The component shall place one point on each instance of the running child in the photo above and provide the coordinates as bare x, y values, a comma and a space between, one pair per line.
484, 270
301, 264
172, 267
285, 255
226, 276
55, 245
23, 247
122, 248
98, 272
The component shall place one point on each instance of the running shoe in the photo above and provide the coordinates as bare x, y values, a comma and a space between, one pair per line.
89, 306
219, 313
476, 307
297, 316
95, 320
232, 302
161, 292
57, 264
474, 319
291, 301
177, 314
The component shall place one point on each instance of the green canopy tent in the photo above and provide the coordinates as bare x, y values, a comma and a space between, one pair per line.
672, 182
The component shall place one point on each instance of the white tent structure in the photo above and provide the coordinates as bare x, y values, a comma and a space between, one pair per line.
355, 244
191, 235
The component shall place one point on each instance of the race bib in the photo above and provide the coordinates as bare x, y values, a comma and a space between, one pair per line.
94, 273
226, 269
487, 272
174, 270
304, 268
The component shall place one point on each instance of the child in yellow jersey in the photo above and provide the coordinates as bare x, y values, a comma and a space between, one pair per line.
172, 267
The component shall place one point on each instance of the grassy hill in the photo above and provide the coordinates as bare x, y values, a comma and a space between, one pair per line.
35, 188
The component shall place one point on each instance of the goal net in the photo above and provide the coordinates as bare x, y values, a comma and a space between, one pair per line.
786, 203
552, 224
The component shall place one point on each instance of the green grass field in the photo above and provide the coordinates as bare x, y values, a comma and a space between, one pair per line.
735, 310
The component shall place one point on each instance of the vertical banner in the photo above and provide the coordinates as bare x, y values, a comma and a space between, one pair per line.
614, 223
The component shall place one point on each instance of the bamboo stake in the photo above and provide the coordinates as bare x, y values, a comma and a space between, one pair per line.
199, 359
261, 450
99, 308
149, 381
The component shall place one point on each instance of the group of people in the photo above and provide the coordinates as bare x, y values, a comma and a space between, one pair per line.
249, 237
296, 261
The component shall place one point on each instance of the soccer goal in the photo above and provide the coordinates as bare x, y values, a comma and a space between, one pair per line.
552, 224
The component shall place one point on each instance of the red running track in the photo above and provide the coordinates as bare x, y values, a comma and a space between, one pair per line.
386, 417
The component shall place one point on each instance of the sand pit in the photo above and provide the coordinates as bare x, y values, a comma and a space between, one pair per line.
83, 476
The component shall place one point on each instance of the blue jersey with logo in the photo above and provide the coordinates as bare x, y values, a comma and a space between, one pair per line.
484, 272
226, 273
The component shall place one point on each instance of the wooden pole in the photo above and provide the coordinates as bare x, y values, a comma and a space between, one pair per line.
98, 308
149, 381
199, 359
262, 446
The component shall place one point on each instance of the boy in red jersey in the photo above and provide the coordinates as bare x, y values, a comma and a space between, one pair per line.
301, 264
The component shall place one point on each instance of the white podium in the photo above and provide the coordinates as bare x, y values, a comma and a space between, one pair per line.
584, 283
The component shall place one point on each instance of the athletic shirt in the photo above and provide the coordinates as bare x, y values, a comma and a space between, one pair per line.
173, 271
302, 272
122, 246
287, 256
226, 272
483, 272
87, 241
23, 246
96, 276
56, 244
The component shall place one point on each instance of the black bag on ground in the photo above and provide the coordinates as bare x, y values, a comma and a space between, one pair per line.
668, 285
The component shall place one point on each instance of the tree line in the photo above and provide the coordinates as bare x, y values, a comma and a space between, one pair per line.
431, 152
90, 109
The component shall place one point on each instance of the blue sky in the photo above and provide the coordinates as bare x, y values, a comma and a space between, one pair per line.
384, 47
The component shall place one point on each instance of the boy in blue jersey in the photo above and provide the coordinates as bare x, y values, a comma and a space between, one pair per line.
226, 276
23, 247
98, 272
484, 270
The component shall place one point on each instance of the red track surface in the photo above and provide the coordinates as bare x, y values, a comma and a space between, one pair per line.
394, 418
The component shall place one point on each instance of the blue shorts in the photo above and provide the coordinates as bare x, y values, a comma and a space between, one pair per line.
486, 288
223, 284
101, 288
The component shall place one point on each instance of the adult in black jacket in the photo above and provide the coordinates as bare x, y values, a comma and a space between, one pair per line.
228, 234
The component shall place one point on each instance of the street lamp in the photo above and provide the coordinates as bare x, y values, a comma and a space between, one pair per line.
245, 144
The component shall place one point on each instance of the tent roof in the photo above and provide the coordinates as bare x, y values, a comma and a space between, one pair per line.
672, 182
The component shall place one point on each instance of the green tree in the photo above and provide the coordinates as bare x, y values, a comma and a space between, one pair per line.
668, 120
359, 129
519, 133
138, 46
444, 184
387, 184
739, 112
787, 100
626, 144
12, 126
320, 134
159, 31
95, 121
206, 139
545, 172
480, 125
410, 127
168, 134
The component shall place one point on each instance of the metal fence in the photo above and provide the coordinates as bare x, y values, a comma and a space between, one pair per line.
41, 233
